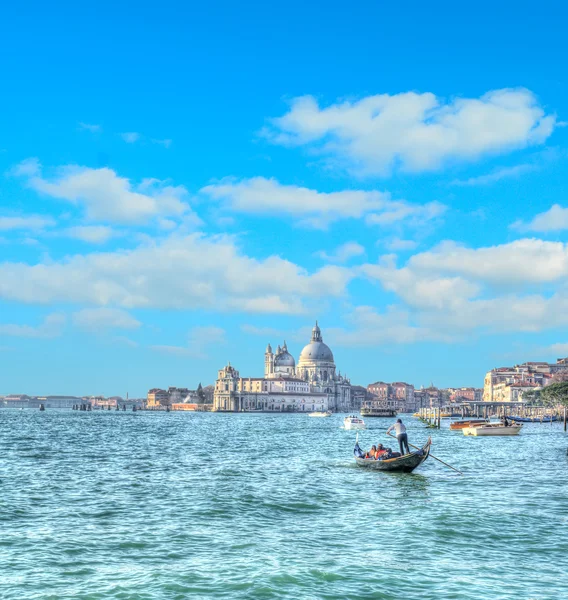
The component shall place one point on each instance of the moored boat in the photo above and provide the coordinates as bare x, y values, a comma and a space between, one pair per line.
492, 429
369, 411
320, 414
470, 423
545, 419
353, 422
402, 464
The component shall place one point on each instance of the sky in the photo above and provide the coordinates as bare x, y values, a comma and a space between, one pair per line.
182, 183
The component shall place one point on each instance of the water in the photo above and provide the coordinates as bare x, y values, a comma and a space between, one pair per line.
156, 505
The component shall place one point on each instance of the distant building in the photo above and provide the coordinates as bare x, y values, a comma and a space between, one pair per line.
58, 401
465, 394
359, 395
16, 401
529, 375
397, 396
157, 398
312, 385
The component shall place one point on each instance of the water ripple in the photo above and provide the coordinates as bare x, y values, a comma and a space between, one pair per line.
151, 506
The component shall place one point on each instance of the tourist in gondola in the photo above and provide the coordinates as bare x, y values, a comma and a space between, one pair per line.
381, 452
401, 436
371, 453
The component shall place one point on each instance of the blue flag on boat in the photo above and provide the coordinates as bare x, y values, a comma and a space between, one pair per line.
357, 451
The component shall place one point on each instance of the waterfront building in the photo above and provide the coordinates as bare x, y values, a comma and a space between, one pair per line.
16, 401
311, 385
359, 395
397, 396
465, 394
157, 398
55, 401
511, 391
537, 374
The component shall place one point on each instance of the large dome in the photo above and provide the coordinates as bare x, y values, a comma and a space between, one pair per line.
284, 359
316, 351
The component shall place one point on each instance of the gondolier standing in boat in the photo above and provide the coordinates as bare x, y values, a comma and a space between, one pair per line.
401, 436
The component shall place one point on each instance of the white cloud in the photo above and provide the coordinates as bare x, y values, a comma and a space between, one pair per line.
497, 175
317, 209
104, 194
416, 132
371, 328
343, 253
560, 349
130, 137
90, 127
51, 327
403, 211
457, 289
94, 234
554, 219
398, 245
179, 272
199, 340
31, 223
518, 263
98, 319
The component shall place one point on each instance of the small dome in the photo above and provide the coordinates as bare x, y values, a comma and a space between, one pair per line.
284, 359
316, 351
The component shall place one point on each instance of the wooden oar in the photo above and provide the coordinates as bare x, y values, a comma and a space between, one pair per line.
434, 457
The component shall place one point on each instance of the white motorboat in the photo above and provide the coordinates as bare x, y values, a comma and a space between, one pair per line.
487, 429
353, 422
320, 414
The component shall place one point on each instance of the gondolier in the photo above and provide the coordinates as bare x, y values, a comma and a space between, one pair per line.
401, 436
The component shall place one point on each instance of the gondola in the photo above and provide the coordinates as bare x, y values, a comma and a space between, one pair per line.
401, 464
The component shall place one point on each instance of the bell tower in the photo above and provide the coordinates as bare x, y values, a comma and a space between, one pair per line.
268, 361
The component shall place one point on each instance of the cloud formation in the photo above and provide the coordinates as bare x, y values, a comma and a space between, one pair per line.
497, 175
130, 137
30, 223
105, 195
343, 253
100, 319
52, 326
93, 234
414, 131
453, 289
180, 272
199, 339
259, 195
554, 219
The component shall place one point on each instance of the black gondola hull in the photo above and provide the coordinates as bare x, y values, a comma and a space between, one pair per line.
402, 464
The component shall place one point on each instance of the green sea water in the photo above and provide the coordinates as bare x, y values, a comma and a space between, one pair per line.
179, 505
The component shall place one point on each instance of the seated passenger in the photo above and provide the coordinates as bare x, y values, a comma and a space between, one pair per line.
381, 452
371, 453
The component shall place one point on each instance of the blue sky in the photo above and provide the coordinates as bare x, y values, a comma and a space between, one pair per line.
182, 184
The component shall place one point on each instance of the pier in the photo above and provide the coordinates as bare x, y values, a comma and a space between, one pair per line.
485, 410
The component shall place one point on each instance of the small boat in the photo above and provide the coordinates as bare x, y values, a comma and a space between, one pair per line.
353, 422
367, 411
320, 414
492, 429
471, 423
401, 464
546, 419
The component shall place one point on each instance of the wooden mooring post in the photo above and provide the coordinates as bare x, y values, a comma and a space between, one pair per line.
564, 418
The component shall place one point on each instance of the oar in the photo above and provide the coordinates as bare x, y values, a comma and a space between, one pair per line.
435, 457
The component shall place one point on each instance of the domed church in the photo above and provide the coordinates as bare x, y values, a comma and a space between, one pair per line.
311, 385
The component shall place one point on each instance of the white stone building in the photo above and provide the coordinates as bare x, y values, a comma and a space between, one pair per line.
312, 385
